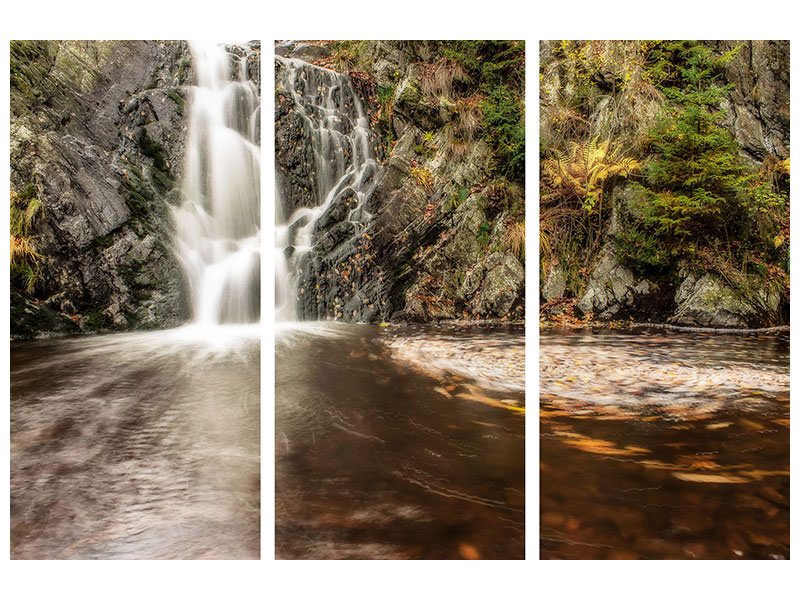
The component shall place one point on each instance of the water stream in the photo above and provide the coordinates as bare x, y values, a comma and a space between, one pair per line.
218, 224
146, 445
661, 445
345, 168
399, 442
391, 442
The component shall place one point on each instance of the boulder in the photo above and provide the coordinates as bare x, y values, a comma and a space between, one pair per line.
612, 290
709, 302
556, 284
502, 285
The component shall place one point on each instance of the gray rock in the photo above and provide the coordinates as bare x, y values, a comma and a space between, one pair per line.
709, 302
612, 287
97, 129
303, 51
504, 280
556, 284
758, 110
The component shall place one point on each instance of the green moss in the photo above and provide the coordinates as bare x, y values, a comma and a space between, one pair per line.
95, 320
145, 189
177, 98
152, 149
385, 96
183, 67
410, 94
483, 234
457, 198
30, 63
102, 242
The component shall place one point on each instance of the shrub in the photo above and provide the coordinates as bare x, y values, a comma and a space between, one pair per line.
503, 115
695, 185
24, 257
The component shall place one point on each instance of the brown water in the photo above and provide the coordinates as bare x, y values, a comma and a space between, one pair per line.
664, 446
399, 442
136, 446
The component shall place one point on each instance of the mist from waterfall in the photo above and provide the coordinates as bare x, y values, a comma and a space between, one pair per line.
344, 167
218, 234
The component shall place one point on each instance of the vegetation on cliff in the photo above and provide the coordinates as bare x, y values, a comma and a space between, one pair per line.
96, 148
448, 236
640, 158
24, 211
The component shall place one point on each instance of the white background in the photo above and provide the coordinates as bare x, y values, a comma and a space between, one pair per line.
312, 19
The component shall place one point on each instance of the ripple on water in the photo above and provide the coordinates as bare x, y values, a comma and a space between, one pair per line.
380, 456
658, 446
136, 446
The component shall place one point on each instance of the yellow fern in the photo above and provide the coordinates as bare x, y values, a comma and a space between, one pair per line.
587, 171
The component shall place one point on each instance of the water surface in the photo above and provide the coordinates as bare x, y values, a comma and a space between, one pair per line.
661, 445
136, 446
399, 442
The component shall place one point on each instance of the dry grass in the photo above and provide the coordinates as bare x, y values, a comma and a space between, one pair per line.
23, 250
423, 177
459, 149
438, 78
514, 238
469, 116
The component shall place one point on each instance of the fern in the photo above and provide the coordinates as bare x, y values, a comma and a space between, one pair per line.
25, 209
587, 172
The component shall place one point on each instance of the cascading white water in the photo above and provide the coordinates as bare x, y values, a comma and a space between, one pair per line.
218, 225
344, 163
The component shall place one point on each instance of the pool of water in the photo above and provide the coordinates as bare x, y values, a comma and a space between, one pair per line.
399, 442
136, 446
661, 445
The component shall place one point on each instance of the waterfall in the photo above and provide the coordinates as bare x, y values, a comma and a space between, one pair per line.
344, 168
218, 235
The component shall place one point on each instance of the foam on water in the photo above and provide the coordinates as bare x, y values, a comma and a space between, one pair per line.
344, 165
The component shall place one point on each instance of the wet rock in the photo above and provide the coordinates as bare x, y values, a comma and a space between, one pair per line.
30, 318
293, 159
414, 253
338, 211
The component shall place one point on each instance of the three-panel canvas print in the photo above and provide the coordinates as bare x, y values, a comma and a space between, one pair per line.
394, 218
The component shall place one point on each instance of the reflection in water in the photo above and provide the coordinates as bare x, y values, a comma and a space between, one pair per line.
379, 454
658, 446
136, 446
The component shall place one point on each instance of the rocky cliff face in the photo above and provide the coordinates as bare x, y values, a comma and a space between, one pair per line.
597, 91
757, 111
437, 243
97, 135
